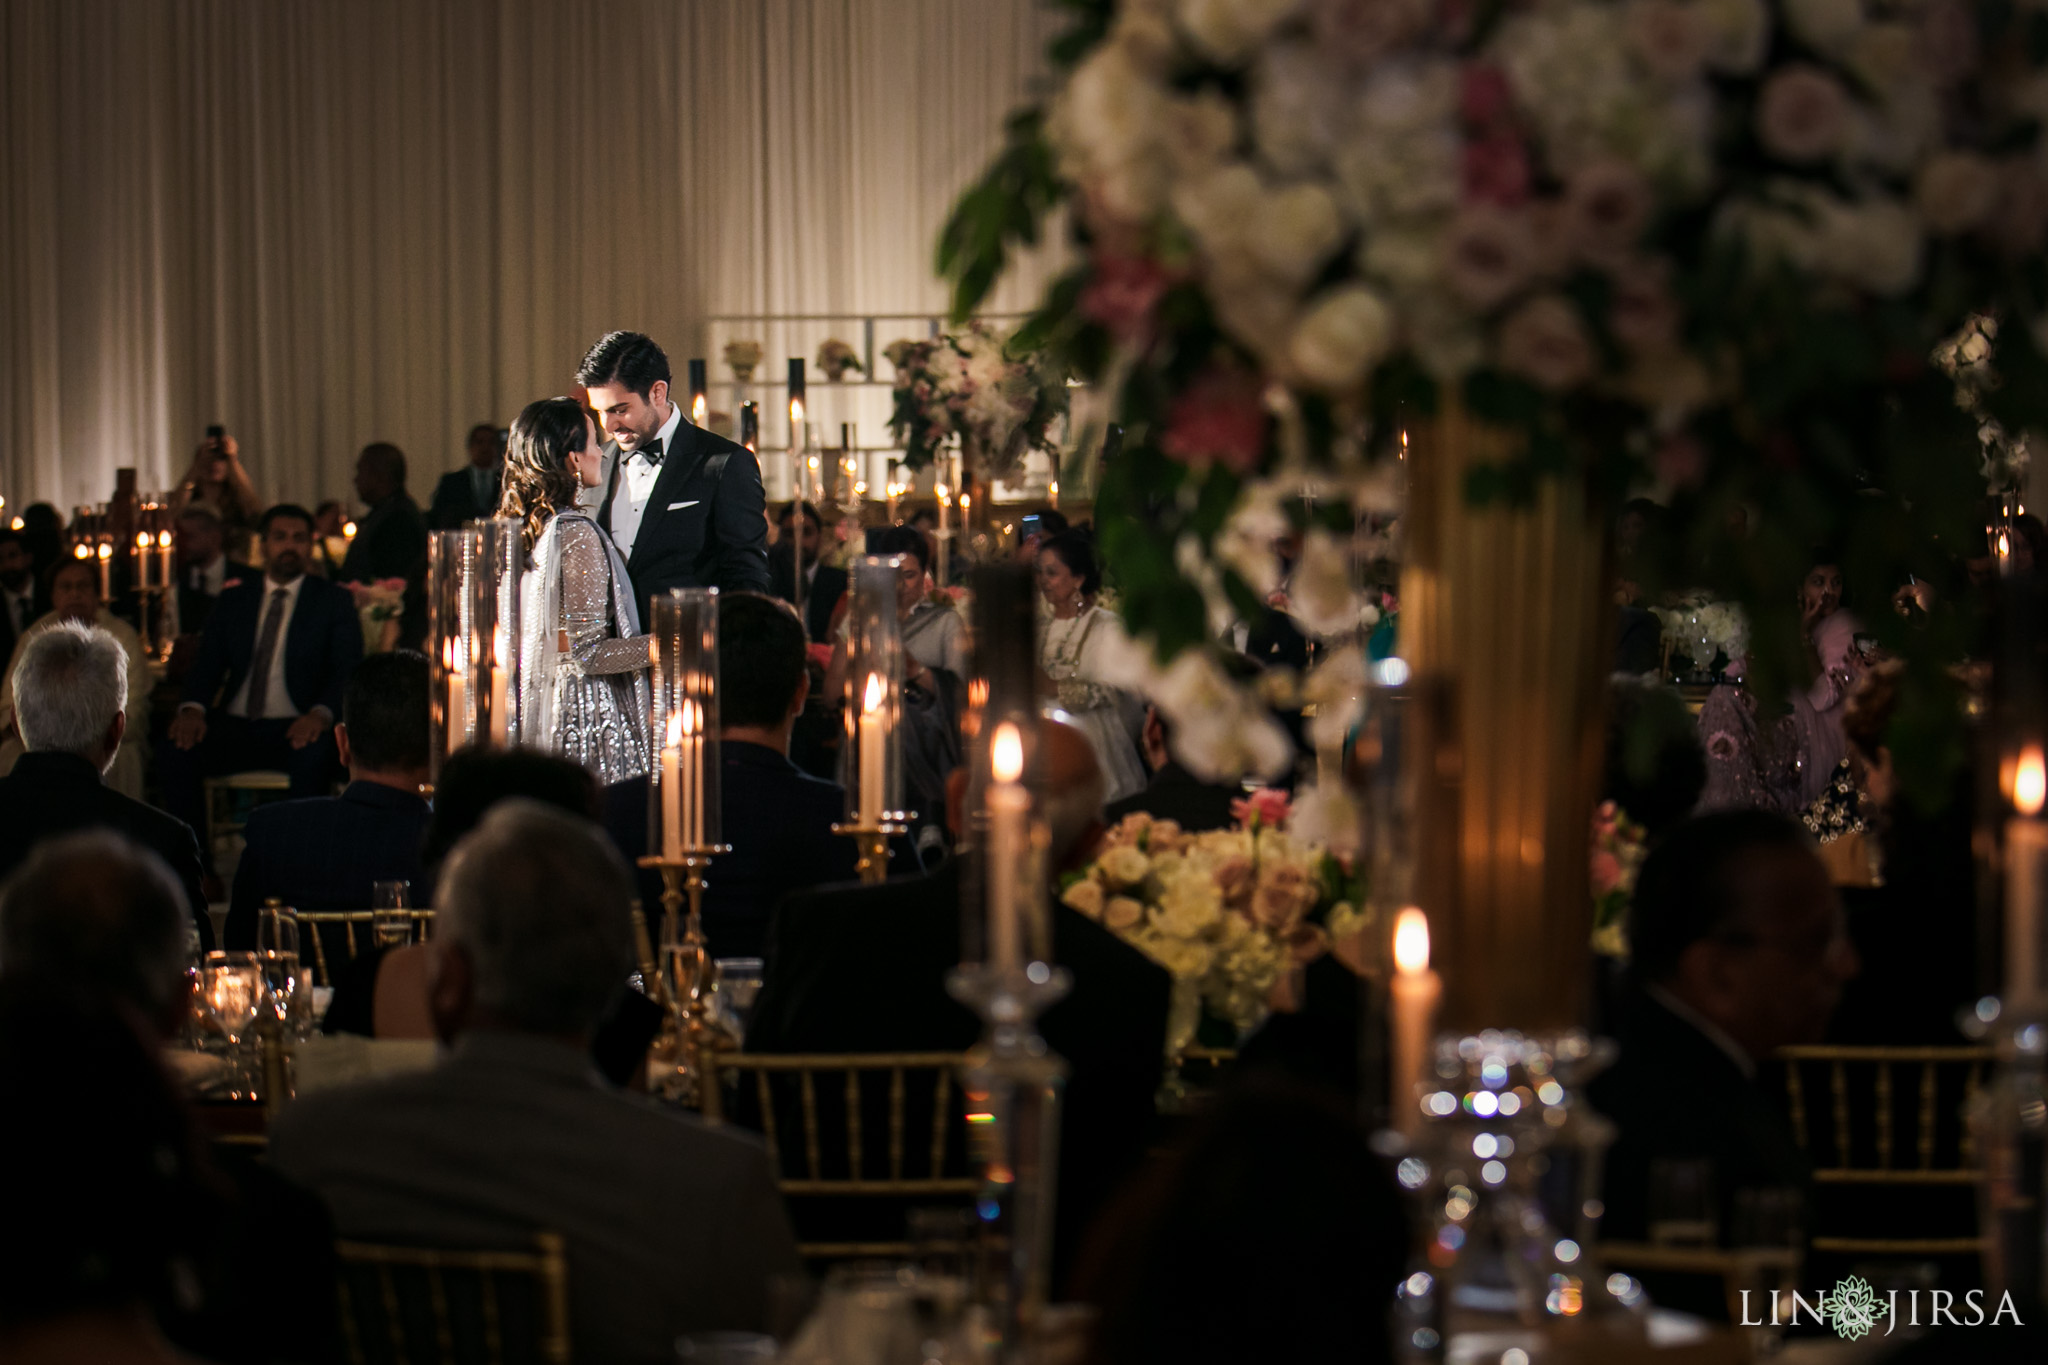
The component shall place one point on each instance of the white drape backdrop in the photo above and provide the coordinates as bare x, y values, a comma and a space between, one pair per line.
328, 222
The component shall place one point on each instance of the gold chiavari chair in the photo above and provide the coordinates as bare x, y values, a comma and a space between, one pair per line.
818, 1112
403, 1303
348, 922
1856, 1121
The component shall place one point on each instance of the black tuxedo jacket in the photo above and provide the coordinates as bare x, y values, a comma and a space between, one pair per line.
195, 607
322, 644
827, 586
455, 503
50, 794
9, 636
391, 542
706, 521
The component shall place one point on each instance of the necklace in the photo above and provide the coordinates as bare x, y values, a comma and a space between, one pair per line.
1063, 649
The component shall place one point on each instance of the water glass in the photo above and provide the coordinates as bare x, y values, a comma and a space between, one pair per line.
391, 915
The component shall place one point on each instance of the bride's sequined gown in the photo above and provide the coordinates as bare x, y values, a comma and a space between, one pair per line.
585, 661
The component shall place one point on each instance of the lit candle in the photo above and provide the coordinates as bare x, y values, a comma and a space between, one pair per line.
1053, 489
1009, 812
700, 406
166, 565
1412, 996
142, 560
672, 788
2026, 877
106, 569
693, 764
872, 723
456, 656
501, 688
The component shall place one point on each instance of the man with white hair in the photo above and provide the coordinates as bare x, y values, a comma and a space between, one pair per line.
672, 1226
70, 691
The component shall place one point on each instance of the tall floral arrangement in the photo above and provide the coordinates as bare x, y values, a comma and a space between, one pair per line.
997, 400
1706, 243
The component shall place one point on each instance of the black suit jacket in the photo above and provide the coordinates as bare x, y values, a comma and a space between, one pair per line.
323, 853
863, 969
49, 794
706, 520
455, 502
9, 636
322, 644
1176, 794
827, 586
391, 542
195, 607
778, 820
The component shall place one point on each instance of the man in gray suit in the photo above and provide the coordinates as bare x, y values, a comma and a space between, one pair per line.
672, 1227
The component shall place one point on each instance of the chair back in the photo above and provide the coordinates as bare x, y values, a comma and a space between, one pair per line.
400, 1304
1886, 1118
334, 935
863, 1126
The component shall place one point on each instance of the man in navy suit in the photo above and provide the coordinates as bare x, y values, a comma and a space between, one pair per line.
823, 584
777, 817
471, 492
323, 853
684, 507
267, 682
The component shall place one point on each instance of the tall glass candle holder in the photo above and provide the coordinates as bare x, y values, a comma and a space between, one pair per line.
871, 754
451, 713
473, 637
1006, 975
700, 406
683, 826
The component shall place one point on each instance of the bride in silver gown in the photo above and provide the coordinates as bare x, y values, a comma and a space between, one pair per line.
583, 660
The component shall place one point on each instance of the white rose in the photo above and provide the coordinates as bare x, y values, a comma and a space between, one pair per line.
1825, 25
1226, 31
1874, 244
1188, 905
1123, 913
1803, 114
1200, 131
1447, 339
1546, 343
1295, 233
1346, 331
1320, 595
1219, 207
1402, 260
1297, 108
1084, 896
1956, 192
1123, 866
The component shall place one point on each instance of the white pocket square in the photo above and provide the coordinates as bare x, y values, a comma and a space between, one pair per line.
679, 506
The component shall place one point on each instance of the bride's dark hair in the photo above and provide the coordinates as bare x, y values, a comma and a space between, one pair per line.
538, 482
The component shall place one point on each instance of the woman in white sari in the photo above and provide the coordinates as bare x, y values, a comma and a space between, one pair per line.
583, 660
1072, 646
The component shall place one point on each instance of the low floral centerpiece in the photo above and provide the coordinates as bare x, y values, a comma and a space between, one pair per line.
973, 387
379, 605
1226, 911
742, 357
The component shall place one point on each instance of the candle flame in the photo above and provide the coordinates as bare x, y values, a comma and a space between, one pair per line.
456, 655
348, 530
142, 540
163, 538
871, 701
106, 550
675, 728
1411, 942
82, 552
699, 409
2030, 782
2004, 545
1006, 753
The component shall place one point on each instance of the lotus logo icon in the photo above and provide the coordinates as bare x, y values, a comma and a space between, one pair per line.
1853, 1308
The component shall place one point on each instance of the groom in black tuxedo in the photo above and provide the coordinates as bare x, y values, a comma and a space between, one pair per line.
684, 507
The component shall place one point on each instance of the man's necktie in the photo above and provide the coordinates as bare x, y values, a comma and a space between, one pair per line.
266, 649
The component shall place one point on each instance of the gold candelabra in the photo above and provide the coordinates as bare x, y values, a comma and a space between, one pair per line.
871, 844
682, 981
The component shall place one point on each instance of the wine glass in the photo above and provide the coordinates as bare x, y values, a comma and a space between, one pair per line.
277, 952
391, 917
231, 988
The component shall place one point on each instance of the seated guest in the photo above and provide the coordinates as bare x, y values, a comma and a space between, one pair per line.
325, 852
777, 819
934, 634
863, 969
71, 683
1739, 948
75, 596
1282, 1168
391, 538
471, 492
204, 569
267, 682
17, 590
101, 915
1172, 792
672, 1227
823, 584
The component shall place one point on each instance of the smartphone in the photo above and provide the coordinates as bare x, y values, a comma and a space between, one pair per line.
1032, 524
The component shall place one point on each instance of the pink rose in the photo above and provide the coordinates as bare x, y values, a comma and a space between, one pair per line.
1544, 342
1803, 113
1641, 311
1606, 872
1607, 206
1268, 807
1221, 417
1121, 293
1483, 94
1496, 171
1487, 256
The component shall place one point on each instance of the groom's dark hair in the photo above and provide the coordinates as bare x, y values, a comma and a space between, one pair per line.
624, 358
